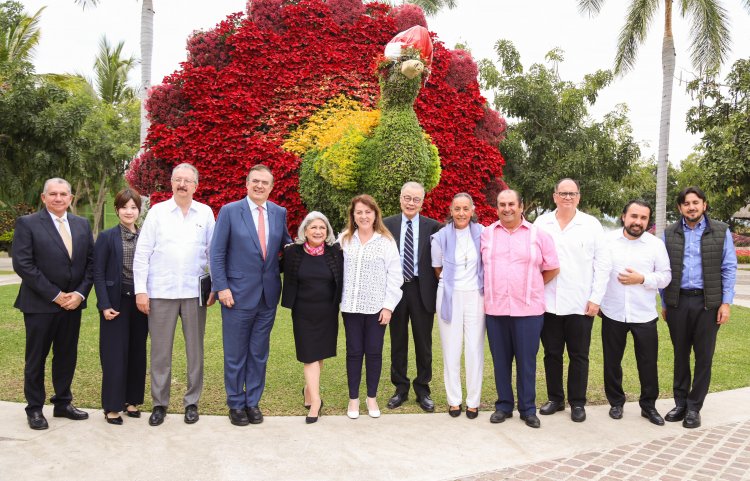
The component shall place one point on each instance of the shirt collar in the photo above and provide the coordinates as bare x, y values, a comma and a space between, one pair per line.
54, 217
173, 205
405, 219
254, 206
524, 223
622, 236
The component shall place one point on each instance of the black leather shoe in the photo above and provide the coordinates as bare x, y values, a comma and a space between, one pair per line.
653, 416
37, 420
676, 414
578, 414
314, 419
692, 420
397, 400
132, 414
531, 420
426, 403
454, 413
256, 417
238, 417
500, 416
472, 413
191, 414
71, 412
157, 415
615, 412
116, 421
551, 407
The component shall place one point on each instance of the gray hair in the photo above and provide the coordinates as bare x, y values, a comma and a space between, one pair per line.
413, 185
57, 180
461, 195
185, 165
330, 239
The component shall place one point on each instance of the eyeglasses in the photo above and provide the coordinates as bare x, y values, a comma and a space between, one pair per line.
567, 195
408, 198
182, 181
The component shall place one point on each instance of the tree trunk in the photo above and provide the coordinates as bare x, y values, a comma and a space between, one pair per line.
662, 166
147, 45
76, 197
98, 206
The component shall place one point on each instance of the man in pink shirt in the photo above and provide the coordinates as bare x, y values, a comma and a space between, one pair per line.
519, 259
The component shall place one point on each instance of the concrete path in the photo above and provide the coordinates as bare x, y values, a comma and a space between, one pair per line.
395, 446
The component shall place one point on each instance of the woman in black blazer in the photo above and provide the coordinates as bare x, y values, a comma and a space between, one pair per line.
123, 328
313, 279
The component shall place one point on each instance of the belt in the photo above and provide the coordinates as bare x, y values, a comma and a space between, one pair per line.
691, 292
413, 279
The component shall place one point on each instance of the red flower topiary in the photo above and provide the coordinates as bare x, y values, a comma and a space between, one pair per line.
345, 11
407, 16
462, 70
491, 127
249, 82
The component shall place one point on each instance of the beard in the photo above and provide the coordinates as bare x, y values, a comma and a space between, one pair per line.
635, 230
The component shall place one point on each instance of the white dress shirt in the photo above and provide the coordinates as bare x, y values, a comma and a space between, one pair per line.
646, 255
58, 226
172, 250
584, 263
254, 211
415, 234
372, 275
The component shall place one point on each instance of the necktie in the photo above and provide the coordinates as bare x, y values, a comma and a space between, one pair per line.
262, 231
67, 240
409, 252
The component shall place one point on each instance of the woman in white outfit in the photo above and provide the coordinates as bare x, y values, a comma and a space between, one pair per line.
460, 303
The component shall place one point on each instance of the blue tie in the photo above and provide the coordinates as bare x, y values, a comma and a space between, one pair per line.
409, 252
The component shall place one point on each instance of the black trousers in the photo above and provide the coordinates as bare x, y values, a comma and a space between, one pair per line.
692, 328
574, 333
646, 340
122, 351
364, 340
422, 320
58, 331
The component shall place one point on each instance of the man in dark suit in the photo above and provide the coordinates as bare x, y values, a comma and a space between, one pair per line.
53, 254
412, 233
248, 237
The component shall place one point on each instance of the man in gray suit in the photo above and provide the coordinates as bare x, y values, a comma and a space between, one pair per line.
53, 254
245, 248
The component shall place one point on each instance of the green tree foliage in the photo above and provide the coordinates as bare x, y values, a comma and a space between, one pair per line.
723, 117
550, 135
19, 33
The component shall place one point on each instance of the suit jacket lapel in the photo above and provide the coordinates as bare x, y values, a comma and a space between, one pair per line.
247, 218
48, 224
424, 237
397, 231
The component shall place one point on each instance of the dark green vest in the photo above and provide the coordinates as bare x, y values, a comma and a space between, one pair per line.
712, 246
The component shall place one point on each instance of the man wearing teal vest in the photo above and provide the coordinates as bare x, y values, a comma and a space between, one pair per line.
704, 268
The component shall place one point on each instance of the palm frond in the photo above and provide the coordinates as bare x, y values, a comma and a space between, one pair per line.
633, 33
111, 72
86, 3
21, 38
591, 7
709, 34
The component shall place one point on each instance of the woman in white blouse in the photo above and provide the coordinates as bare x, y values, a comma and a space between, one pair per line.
460, 303
372, 288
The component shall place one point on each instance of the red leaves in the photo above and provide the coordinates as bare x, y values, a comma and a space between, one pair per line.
248, 83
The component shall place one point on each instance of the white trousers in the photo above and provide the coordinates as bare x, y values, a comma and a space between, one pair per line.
467, 323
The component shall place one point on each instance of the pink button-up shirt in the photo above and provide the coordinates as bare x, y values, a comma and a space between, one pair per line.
513, 265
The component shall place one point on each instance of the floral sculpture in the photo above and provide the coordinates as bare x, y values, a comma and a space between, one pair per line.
293, 84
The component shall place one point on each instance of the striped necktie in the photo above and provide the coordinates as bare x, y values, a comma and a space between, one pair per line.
409, 252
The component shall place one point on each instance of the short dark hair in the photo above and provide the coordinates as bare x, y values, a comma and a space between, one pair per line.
259, 167
640, 202
557, 186
691, 190
518, 196
126, 195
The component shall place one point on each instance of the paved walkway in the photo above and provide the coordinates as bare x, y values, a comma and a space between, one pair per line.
395, 446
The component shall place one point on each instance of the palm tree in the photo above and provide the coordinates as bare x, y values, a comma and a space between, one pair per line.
111, 73
147, 47
19, 35
709, 48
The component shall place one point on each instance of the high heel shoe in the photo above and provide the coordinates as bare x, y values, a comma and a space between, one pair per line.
373, 413
307, 406
132, 414
314, 419
353, 414
117, 421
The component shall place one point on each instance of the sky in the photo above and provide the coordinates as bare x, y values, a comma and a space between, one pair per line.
70, 37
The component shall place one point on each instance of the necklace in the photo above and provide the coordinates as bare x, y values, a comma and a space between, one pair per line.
462, 247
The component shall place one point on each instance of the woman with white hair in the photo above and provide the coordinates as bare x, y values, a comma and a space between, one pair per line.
313, 279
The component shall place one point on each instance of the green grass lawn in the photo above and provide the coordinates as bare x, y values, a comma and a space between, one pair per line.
284, 380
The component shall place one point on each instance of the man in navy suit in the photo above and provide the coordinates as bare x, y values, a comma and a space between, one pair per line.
53, 254
247, 239
412, 232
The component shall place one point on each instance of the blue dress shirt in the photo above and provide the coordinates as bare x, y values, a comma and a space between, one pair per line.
415, 230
